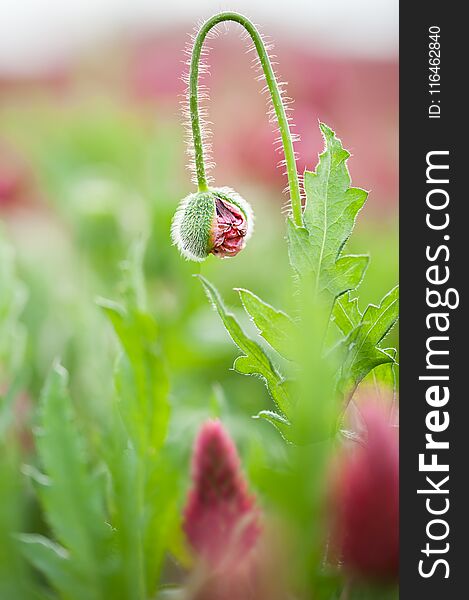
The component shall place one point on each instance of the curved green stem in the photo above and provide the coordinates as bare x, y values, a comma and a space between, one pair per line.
279, 108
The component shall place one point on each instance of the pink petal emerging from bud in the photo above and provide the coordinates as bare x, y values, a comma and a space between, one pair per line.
366, 502
218, 221
230, 229
221, 520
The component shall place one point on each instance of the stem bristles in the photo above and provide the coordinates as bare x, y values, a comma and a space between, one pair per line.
199, 148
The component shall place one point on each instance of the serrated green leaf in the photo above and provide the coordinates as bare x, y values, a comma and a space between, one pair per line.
160, 515
361, 346
279, 422
346, 274
329, 216
143, 493
383, 380
133, 280
299, 250
72, 501
142, 499
53, 561
141, 381
125, 507
346, 314
275, 326
385, 375
255, 361
15, 577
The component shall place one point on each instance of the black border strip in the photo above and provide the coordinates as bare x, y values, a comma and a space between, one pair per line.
419, 135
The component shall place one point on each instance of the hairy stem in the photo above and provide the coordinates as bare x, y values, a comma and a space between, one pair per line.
293, 182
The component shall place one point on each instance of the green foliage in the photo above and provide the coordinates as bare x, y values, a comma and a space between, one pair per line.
324, 275
324, 364
141, 379
329, 216
254, 361
81, 562
13, 296
275, 326
144, 481
15, 581
110, 515
364, 336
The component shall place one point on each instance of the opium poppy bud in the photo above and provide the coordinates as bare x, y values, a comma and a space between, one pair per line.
218, 221
221, 520
365, 501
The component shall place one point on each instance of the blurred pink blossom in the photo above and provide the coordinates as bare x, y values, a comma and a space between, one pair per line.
15, 179
365, 501
221, 520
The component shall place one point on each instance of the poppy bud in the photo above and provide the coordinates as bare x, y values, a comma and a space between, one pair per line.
221, 520
218, 221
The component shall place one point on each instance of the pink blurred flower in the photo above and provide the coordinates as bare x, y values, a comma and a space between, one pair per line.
14, 179
365, 500
222, 524
221, 520
155, 67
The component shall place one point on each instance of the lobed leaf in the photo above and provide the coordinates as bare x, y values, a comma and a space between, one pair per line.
54, 562
346, 314
361, 345
125, 507
280, 423
275, 326
385, 374
71, 499
141, 378
255, 361
160, 515
143, 490
329, 216
299, 250
16, 582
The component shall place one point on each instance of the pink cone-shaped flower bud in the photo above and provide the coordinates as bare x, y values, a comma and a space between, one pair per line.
365, 534
217, 222
221, 520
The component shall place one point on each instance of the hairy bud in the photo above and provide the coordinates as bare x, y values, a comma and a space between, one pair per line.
217, 222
